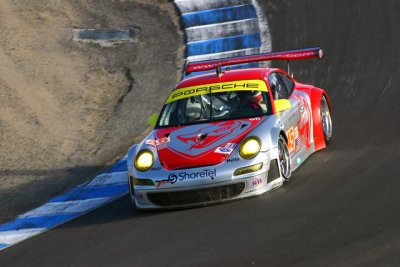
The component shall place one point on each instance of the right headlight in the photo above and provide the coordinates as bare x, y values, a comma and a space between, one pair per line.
250, 147
144, 160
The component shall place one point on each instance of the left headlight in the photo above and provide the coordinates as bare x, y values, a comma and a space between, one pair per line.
144, 160
250, 147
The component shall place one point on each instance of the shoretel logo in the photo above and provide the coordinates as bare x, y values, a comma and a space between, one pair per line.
205, 174
187, 176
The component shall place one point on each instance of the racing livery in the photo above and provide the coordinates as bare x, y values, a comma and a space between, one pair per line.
229, 135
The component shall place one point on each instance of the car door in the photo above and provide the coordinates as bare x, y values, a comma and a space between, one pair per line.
282, 87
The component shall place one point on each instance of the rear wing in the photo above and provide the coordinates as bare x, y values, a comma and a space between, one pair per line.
316, 52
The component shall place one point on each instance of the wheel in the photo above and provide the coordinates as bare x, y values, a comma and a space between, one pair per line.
284, 158
326, 120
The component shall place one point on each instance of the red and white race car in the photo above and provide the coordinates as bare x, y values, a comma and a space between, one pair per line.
229, 134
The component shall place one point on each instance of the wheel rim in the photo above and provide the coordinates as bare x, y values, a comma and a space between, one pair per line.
326, 119
284, 159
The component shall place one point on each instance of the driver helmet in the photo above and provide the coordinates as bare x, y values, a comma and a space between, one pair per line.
254, 96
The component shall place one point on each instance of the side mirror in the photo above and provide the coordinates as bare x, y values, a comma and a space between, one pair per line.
282, 104
153, 119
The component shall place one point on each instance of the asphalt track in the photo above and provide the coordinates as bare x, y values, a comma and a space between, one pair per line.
340, 209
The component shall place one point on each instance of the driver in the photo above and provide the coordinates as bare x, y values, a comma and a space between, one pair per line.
251, 103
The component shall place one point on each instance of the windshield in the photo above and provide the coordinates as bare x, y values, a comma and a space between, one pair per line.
213, 102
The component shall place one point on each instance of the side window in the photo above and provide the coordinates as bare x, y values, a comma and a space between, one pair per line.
278, 87
289, 84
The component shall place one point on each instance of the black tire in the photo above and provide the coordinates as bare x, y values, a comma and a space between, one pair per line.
285, 166
326, 120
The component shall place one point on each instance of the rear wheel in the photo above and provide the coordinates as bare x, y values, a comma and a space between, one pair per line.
284, 158
326, 120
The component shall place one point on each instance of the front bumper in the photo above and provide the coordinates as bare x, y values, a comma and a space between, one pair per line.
206, 185
248, 185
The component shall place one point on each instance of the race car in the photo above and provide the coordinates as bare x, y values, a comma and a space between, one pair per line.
229, 134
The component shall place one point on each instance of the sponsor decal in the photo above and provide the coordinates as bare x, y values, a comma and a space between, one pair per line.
187, 144
298, 144
155, 169
187, 176
232, 160
224, 150
290, 136
138, 196
151, 143
182, 93
231, 145
294, 139
255, 119
172, 178
163, 142
305, 122
159, 144
256, 181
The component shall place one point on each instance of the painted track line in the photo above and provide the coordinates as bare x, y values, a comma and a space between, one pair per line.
104, 188
219, 15
223, 44
187, 6
218, 29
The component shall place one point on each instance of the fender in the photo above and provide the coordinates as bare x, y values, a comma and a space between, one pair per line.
131, 156
315, 95
275, 135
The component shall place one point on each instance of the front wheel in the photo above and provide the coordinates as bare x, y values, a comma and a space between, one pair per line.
284, 159
326, 120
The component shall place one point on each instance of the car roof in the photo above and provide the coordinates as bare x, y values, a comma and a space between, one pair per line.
227, 76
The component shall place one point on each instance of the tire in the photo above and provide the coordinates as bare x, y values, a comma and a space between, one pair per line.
326, 120
285, 166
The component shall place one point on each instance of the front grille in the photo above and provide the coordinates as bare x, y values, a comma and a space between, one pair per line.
196, 196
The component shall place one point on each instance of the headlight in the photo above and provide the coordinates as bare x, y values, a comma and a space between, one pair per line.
250, 147
144, 160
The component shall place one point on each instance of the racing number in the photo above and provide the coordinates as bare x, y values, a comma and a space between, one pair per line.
290, 136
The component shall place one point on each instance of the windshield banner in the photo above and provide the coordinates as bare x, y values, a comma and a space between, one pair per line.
245, 85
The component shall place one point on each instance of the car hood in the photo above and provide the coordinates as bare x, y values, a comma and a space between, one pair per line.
200, 145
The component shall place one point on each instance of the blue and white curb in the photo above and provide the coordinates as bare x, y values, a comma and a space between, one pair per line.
104, 188
219, 29
214, 29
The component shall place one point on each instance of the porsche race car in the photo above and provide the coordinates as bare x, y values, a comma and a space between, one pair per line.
229, 134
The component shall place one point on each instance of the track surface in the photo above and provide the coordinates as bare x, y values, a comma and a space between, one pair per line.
340, 209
